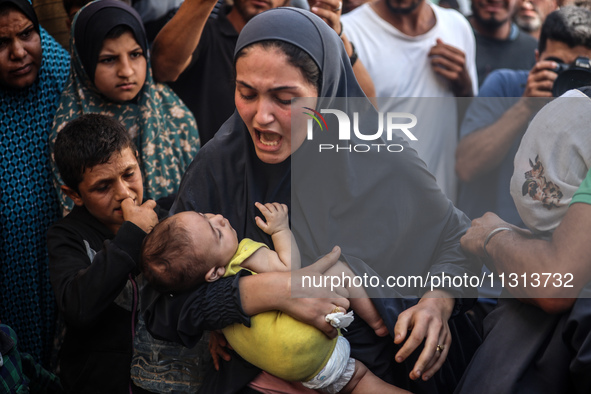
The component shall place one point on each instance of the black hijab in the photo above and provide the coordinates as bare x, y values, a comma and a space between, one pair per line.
226, 176
26, 8
95, 21
384, 209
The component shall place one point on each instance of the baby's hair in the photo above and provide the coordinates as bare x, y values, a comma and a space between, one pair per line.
169, 259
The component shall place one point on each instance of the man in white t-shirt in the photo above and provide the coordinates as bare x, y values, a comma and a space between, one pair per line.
412, 48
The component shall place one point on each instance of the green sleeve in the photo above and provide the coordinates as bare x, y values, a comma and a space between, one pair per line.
583, 194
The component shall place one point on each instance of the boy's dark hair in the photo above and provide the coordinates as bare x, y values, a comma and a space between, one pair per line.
86, 142
570, 25
169, 261
68, 4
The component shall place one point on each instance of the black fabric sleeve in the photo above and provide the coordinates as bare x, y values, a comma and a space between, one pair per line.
182, 318
450, 261
84, 289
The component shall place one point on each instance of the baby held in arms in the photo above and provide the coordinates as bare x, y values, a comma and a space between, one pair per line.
190, 249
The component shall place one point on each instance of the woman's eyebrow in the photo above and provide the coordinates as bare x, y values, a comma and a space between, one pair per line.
282, 88
270, 90
22, 31
26, 29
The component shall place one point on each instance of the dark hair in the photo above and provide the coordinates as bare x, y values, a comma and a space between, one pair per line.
570, 25
169, 261
296, 56
68, 4
118, 31
86, 142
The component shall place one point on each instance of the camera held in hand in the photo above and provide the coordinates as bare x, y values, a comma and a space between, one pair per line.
572, 76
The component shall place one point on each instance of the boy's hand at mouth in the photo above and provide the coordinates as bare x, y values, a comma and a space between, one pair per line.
142, 216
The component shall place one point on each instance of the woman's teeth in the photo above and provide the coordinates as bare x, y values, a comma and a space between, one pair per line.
269, 139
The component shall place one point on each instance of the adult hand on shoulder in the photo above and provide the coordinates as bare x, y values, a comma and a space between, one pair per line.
310, 304
142, 216
428, 321
450, 63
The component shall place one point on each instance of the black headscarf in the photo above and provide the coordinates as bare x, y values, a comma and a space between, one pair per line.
95, 21
311, 34
385, 210
26, 8
235, 176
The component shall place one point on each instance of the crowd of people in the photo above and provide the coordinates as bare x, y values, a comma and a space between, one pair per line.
174, 178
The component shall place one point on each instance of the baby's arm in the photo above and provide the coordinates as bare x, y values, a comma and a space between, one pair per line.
277, 226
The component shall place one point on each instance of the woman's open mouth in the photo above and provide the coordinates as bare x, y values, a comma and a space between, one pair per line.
268, 139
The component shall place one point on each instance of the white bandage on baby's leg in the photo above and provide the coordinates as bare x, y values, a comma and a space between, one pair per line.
340, 319
337, 372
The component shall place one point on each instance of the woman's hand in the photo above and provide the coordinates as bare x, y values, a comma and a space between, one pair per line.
217, 347
309, 302
428, 321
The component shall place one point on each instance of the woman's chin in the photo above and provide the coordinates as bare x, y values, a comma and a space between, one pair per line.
272, 157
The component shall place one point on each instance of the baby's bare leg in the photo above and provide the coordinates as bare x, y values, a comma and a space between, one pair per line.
365, 309
364, 381
360, 301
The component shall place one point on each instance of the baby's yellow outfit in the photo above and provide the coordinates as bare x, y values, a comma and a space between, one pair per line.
276, 342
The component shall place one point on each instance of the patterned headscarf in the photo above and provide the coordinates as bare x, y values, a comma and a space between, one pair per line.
164, 128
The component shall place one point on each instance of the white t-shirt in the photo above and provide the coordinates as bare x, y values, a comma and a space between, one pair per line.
552, 161
400, 67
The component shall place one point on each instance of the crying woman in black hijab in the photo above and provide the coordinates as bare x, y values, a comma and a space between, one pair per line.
384, 209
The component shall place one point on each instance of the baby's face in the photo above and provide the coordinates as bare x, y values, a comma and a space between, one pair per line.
213, 236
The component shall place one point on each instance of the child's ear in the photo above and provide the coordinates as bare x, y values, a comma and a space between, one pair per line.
214, 274
73, 195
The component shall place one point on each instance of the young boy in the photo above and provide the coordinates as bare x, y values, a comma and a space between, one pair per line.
93, 253
191, 248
